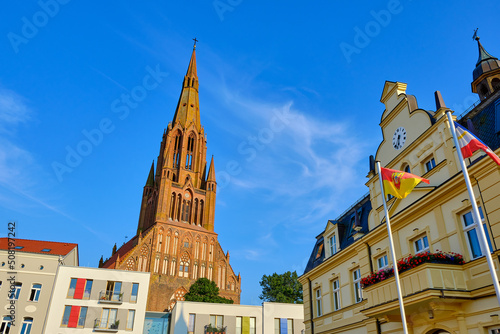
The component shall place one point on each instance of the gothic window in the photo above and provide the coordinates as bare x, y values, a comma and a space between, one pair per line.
184, 266
173, 265
186, 210
130, 264
223, 282
167, 243
202, 272
195, 271
176, 158
219, 273
165, 266
204, 253
197, 249
157, 264
190, 150
196, 211
179, 206
159, 241
176, 242
211, 252
210, 272
172, 206
202, 205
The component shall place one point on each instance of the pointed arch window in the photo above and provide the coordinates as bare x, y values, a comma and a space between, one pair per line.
179, 207
186, 210
176, 158
172, 206
195, 212
202, 207
165, 266
190, 151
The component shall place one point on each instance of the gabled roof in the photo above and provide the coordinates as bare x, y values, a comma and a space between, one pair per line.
39, 246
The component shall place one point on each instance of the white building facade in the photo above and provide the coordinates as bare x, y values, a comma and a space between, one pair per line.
89, 300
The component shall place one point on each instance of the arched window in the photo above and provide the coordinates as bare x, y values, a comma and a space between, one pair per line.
186, 210
195, 271
202, 272
210, 272
172, 206
190, 150
26, 326
165, 266
159, 241
173, 265
157, 264
406, 168
195, 212
202, 207
176, 242
179, 207
197, 249
484, 90
176, 158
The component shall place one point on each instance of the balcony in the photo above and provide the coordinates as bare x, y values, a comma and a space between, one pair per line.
214, 330
106, 326
419, 285
110, 297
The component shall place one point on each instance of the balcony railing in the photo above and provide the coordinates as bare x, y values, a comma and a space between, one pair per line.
106, 326
209, 329
430, 277
112, 297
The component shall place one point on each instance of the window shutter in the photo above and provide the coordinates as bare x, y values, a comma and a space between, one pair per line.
80, 287
73, 316
245, 325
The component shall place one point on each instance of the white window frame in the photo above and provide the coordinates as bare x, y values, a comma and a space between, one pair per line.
219, 320
333, 244
382, 262
429, 162
473, 226
336, 295
356, 284
423, 239
17, 291
319, 302
26, 325
6, 323
130, 320
35, 291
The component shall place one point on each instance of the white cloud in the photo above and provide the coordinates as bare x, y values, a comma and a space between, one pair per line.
13, 110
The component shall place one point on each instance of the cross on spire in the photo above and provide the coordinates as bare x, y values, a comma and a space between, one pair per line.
476, 37
195, 41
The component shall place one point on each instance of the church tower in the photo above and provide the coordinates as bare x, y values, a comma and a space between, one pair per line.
176, 240
486, 75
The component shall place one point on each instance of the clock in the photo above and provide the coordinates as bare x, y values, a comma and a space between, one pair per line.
399, 138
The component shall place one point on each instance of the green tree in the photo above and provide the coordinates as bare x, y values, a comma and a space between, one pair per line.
204, 290
284, 288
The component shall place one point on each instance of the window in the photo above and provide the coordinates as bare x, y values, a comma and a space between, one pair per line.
471, 234
283, 326
133, 295
429, 164
389, 197
421, 244
494, 331
80, 288
6, 324
319, 308
245, 325
113, 291
407, 169
216, 320
35, 292
108, 319
336, 294
74, 316
382, 262
26, 326
356, 278
46, 250
14, 295
19, 247
192, 318
130, 320
333, 244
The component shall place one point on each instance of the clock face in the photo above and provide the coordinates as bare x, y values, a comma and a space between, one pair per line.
399, 138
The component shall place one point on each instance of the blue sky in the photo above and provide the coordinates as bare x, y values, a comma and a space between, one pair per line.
319, 67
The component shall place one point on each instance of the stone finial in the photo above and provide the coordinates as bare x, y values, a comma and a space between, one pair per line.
439, 100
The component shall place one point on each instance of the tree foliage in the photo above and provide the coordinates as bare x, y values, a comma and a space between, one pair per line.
204, 290
284, 288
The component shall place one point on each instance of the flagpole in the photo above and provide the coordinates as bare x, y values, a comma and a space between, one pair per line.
475, 211
393, 253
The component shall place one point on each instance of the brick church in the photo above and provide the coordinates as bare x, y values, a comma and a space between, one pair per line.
175, 240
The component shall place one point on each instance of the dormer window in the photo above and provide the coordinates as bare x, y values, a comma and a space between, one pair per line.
333, 244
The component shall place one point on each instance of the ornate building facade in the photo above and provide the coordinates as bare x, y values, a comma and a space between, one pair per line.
439, 298
175, 240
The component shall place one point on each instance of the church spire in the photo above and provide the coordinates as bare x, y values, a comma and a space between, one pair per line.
211, 171
486, 75
188, 110
483, 54
151, 177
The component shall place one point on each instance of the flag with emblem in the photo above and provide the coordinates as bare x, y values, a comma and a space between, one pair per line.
399, 184
470, 144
